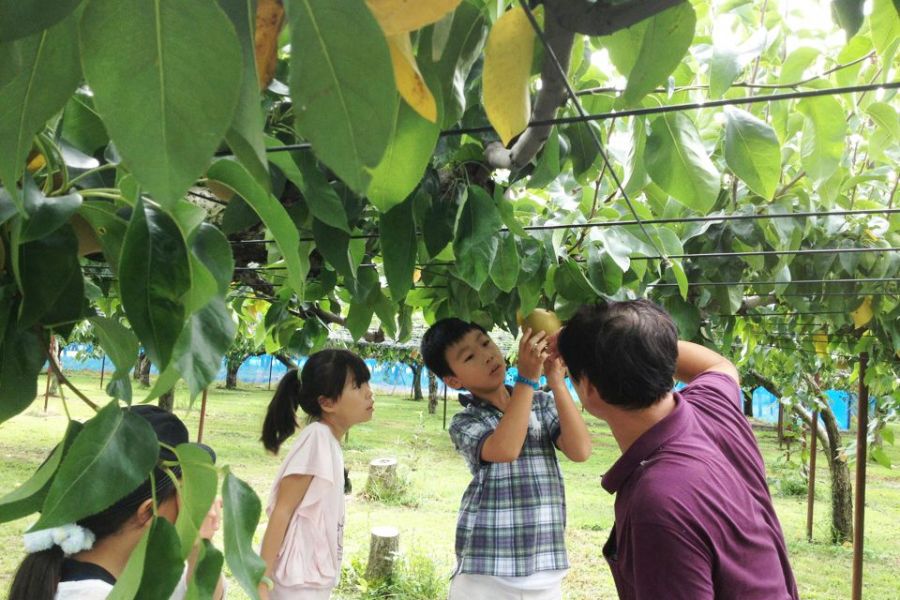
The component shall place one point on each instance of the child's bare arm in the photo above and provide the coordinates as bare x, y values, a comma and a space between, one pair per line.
505, 444
290, 493
574, 439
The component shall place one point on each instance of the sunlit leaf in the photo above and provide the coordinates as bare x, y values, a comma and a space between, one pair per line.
752, 151
403, 16
410, 84
507, 69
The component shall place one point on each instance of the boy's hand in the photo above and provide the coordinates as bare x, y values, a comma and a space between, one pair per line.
213, 519
532, 353
555, 372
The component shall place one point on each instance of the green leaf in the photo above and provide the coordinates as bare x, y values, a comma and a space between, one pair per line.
437, 230
21, 358
7, 206
686, 317
212, 249
886, 116
245, 135
155, 280
242, 508
881, 457
450, 70
572, 284
583, 149
163, 564
112, 456
28, 497
22, 18
752, 151
505, 268
408, 154
142, 61
323, 201
82, 126
848, 14
45, 78
678, 163
547, 167
272, 213
728, 60
885, 24
334, 245
199, 482
603, 272
206, 337
649, 51
796, 63
118, 342
206, 573
45, 215
824, 137
635, 173
109, 227
680, 277
397, 232
475, 244
887, 434
336, 45
52, 283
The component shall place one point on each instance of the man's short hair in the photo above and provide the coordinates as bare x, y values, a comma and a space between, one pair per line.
439, 338
627, 350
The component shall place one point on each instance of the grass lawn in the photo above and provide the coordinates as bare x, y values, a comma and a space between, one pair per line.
426, 516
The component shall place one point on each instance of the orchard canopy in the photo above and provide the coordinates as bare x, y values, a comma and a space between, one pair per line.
172, 171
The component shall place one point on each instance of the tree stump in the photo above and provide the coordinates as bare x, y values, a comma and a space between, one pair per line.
383, 549
382, 476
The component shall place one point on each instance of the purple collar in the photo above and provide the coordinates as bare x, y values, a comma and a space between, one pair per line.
646, 445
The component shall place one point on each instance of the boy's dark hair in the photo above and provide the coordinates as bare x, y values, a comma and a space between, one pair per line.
441, 336
627, 350
324, 374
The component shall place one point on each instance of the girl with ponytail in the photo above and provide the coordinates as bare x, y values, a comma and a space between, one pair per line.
303, 543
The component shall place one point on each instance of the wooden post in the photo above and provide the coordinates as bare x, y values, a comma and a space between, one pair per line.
780, 423
102, 370
811, 490
445, 407
47, 388
859, 503
202, 416
382, 476
383, 550
271, 362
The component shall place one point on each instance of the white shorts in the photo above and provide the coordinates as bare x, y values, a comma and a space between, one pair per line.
484, 587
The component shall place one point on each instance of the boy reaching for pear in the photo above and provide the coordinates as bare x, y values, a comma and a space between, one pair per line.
510, 534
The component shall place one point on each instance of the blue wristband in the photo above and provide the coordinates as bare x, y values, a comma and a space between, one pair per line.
534, 384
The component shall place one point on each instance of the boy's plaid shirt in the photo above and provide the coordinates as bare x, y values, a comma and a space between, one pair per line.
512, 517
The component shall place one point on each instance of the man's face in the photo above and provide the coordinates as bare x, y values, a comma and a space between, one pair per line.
588, 396
476, 362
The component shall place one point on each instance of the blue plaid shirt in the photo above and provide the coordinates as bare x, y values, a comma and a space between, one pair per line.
512, 517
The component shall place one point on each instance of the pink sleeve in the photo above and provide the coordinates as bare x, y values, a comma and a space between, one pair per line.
311, 455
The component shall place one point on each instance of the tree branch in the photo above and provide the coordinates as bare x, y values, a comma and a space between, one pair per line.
602, 17
51, 364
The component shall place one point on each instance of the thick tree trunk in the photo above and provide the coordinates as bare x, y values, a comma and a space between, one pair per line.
145, 372
841, 487
748, 403
55, 352
416, 391
432, 393
231, 375
167, 400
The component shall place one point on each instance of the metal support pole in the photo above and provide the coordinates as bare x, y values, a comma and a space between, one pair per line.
859, 504
102, 370
811, 492
202, 415
780, 423
271, 362
445, 407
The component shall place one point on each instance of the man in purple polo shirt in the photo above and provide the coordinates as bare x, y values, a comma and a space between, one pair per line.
693, 515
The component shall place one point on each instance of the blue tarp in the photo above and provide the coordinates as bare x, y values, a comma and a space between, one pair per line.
843, 405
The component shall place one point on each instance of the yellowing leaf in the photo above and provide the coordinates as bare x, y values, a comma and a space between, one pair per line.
36, 163
403, 16
507, 69
863, 313
409, 80
269, 20
820, 341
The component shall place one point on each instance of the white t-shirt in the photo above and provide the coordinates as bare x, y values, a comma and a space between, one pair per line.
310, 556
97, 589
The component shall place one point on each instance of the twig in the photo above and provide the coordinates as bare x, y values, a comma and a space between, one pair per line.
65, 381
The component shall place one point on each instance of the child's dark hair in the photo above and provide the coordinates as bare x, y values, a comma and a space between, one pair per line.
39, 573
324, 375
441, 336
627, 350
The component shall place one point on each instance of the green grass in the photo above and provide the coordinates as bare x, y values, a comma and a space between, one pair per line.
436, 478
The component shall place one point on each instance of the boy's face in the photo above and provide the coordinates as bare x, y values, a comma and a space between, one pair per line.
477, 363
